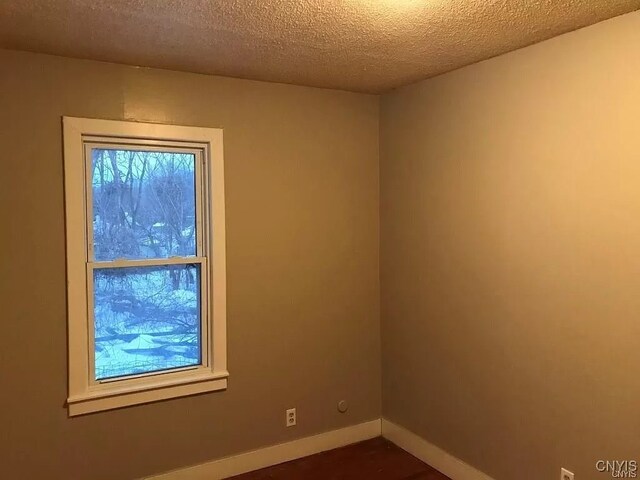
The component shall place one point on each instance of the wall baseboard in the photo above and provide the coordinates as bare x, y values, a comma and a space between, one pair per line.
442, 461
284, 452
226, 467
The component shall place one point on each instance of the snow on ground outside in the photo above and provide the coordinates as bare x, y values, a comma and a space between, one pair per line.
144, 324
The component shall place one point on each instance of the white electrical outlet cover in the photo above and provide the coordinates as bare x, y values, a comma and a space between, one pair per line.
291, 419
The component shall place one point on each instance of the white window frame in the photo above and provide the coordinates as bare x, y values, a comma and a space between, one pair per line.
85, 394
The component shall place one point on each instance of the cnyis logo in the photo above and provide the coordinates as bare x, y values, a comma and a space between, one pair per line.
618, 468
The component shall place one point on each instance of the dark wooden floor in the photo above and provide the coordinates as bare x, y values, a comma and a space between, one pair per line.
376, 459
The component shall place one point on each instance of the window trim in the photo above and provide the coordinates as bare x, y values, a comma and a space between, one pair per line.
85, 395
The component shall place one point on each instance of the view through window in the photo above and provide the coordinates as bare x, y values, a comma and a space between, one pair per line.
146, 243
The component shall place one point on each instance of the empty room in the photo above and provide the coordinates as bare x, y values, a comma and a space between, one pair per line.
320, 239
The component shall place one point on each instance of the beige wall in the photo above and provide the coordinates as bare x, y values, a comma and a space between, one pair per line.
510, 247
302, 226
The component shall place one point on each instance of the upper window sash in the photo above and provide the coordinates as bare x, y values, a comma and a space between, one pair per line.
200, 184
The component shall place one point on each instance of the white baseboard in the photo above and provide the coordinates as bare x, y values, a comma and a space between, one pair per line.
442, 461
284, 452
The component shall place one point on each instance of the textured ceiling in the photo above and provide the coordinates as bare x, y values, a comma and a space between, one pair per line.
360, 45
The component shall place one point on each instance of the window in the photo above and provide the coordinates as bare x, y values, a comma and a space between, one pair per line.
145, 262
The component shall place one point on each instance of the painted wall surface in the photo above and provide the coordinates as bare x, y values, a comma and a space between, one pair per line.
510, 271
302, 256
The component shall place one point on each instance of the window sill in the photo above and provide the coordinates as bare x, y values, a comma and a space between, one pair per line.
100, 399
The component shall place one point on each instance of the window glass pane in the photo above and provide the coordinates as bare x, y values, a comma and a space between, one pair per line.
146, 319
143, 204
